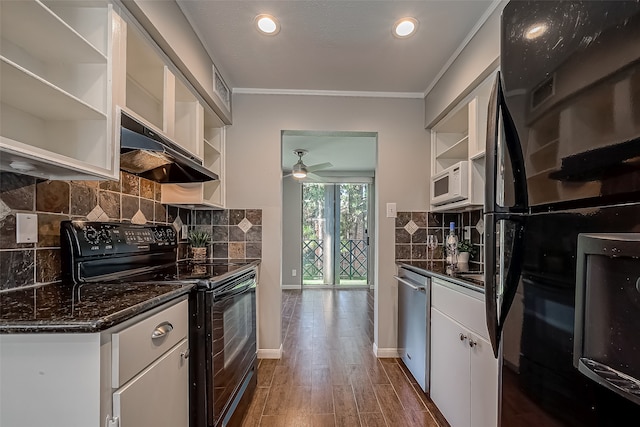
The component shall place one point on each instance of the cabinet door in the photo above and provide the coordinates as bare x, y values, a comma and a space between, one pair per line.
159, 395
450, 369
484, 384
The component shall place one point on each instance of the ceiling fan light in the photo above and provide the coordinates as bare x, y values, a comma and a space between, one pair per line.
299, 170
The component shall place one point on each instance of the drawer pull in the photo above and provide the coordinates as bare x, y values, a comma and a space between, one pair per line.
161, 330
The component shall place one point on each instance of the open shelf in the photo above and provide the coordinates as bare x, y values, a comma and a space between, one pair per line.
55, 89
186, 119
25, 91
145, 79
458, 150
25, 22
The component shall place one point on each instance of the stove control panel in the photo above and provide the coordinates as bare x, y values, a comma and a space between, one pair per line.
87, 239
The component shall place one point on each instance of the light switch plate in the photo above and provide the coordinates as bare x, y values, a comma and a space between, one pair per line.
26, 228
392, 211
184, 231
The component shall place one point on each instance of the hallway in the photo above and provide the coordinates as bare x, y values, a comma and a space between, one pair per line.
328, 375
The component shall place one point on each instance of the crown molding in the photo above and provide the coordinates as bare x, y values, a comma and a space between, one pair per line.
307, 92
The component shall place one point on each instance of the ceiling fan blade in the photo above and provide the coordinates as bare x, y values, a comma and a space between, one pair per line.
319, 166
312, 177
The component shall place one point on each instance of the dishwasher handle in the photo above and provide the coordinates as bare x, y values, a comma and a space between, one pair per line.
411, 285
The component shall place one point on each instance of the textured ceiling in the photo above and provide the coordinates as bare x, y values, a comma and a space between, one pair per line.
333, 45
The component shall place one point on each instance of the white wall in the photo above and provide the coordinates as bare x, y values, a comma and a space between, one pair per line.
476, 61
254, 180
292, 232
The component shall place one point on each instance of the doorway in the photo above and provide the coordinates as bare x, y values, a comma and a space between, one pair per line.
335, 233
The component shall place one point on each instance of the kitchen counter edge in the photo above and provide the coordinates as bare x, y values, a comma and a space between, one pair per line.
460, 281
93, 325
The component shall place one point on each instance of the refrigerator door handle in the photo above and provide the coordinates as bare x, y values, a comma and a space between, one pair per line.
495, 313
497, 105
491, 289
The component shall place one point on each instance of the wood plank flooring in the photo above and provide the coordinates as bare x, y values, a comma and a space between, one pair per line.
328, 375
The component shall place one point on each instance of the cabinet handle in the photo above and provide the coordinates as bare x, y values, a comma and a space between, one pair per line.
185, 354
462, 337
161, 330
472, 343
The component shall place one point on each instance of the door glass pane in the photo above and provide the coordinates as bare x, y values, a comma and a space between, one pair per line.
353, 233
313, 233
335, 241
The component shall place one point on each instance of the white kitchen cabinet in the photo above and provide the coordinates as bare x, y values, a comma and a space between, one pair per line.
464, 373
461, 136
205, 195
158, 94
55, 90
67, 379
159, 395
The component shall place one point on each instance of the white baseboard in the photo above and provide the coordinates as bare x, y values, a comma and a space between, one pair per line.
294, 287
385, 352
270, 353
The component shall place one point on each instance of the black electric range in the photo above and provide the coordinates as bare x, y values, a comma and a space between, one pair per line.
222, 306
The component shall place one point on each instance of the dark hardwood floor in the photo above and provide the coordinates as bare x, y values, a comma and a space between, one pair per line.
328, 375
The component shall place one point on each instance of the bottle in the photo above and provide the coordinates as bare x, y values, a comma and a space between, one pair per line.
452, 246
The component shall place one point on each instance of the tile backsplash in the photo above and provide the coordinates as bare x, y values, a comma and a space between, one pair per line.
412, 229
131, 199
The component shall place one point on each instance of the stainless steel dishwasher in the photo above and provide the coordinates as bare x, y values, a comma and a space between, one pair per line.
414, 295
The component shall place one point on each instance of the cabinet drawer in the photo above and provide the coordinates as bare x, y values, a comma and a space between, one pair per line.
137, 346
465, 309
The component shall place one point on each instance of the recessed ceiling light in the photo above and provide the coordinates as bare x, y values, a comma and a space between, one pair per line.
535, 31
405, 27
267, 24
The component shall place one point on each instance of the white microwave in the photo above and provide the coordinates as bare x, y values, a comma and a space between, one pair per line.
450, 185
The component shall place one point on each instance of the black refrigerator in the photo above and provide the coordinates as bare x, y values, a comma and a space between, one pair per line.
562, 214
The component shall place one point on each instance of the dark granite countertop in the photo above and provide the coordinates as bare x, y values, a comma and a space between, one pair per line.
91, 307
439, 269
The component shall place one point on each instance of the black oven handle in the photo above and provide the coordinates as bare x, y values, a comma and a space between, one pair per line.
234, 289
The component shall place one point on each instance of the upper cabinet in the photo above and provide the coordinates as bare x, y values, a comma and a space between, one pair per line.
55, 90
210, 194
459, 138
156, 93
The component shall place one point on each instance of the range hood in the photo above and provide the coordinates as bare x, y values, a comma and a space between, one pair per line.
145, 153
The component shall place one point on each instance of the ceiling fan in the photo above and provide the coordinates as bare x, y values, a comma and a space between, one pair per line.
301, 171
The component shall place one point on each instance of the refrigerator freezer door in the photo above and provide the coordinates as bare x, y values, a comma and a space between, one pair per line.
571, 80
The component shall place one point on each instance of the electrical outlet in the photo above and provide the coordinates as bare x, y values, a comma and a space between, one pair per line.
294, 272
184, 231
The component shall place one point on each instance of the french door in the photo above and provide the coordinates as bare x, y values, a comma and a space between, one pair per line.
335, 233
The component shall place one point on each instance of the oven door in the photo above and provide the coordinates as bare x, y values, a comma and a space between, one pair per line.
232, 351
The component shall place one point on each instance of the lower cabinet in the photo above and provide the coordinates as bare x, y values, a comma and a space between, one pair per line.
166, 382
135, 374
464, 373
